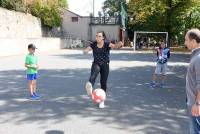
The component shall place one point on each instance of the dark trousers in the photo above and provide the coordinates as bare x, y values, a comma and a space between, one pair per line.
196, 124
103, 70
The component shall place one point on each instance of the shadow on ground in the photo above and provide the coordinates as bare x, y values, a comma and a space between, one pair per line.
132, 105
130, 56
54, 132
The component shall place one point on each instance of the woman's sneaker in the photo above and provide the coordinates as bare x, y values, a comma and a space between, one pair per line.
101, 105
88, 87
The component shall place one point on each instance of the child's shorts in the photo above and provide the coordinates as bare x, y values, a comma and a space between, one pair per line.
31, 76
161, 68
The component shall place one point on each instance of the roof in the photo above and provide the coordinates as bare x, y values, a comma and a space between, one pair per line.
78, 14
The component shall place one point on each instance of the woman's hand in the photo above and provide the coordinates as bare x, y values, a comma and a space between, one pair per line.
195, 110
86, 51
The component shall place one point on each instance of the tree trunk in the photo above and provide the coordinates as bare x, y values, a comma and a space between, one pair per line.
168, 22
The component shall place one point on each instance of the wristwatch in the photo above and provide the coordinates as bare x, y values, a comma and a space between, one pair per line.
197, 103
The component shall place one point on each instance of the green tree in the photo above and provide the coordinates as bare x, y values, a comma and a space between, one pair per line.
192, 18
161, 15
50, 13
112, 6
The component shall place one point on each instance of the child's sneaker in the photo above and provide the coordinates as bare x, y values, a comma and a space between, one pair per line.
88, 87
33, 97
36, 95
162, 85
152, 85
101, 105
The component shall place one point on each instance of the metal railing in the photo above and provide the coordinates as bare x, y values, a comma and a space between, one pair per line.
72, 43
105, 20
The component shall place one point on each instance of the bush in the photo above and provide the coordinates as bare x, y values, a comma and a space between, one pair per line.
16, 5
49, 14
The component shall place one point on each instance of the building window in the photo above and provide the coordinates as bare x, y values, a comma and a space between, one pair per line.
74, 19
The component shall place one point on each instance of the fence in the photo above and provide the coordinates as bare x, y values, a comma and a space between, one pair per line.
73, 43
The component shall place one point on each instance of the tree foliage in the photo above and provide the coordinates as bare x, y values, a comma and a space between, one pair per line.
173, 16
112, 6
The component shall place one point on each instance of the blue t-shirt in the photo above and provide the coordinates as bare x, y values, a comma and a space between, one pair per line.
101, 55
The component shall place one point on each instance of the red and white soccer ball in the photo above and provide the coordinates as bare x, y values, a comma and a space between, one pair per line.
98, 95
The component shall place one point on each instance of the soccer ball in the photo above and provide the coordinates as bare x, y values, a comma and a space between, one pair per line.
98, 95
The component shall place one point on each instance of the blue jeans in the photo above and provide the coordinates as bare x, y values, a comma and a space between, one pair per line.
194, 122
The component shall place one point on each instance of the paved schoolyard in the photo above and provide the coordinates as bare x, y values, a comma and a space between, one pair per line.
132, 107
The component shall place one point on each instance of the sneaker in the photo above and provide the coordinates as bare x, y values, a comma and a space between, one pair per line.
36, 95
101, 105
162, 85
33, 97
88, 87
152, 85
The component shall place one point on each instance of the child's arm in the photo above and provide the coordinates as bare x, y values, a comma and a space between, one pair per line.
168, 54
157, 52
27, 63
31, 66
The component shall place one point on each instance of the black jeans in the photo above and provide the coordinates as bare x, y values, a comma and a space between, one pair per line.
103, 70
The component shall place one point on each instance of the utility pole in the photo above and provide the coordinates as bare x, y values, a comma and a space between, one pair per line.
93, 8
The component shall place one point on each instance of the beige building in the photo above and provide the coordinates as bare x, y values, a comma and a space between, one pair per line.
85, 27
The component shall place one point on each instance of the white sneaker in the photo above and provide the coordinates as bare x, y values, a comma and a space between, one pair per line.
88, 87
101, 105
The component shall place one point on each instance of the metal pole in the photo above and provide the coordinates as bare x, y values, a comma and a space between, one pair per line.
167, 36
93, 8
134, 41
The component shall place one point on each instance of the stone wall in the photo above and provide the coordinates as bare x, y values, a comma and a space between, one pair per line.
19, 25
9, 47
17, 30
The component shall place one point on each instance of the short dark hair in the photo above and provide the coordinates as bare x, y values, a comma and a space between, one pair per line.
103, 33
194, 36
31, 46
162, 41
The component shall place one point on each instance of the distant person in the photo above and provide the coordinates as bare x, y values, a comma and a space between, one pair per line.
163, 54
101, 54
141, 44
31, 63
192, 41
